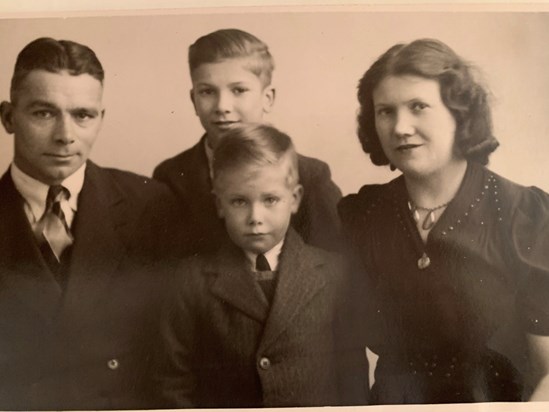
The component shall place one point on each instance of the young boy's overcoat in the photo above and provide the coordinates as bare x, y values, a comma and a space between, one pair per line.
226, 347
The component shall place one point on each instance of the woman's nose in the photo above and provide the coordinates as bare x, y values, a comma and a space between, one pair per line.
404, 123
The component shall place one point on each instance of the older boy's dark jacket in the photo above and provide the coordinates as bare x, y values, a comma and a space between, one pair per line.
224, 346
188, 176
89, 347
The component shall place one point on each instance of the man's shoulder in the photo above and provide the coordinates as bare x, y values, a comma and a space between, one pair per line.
131, 184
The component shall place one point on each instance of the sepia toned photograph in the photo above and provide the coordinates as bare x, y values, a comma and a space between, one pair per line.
274, 206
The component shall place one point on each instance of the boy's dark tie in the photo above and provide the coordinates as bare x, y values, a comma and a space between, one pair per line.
261, 263
52, 231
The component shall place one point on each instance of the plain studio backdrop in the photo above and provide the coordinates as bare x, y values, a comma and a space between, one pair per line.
319, 58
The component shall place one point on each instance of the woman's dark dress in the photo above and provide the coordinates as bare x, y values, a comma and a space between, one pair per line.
456, 330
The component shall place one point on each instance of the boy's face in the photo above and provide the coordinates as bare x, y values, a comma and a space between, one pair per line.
226, 93
257, 204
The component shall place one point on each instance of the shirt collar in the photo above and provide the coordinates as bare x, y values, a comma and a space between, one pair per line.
272, 256
35, 192
209, 155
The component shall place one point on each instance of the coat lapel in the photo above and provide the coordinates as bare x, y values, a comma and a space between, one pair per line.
300, 278
23, 271
98, 248
235, 285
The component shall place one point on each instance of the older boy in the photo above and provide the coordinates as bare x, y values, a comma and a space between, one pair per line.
231, 74
254, 324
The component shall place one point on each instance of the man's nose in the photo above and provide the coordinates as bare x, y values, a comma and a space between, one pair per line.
64, 131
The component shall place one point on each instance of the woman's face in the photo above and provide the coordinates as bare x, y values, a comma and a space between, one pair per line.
416, 129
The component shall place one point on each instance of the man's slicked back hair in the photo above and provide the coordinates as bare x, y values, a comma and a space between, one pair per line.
55, 56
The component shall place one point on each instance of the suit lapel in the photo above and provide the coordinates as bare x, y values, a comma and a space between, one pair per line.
97, 249
23, 270
299, 280
235, 285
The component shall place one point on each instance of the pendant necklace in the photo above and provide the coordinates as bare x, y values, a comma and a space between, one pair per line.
430, 219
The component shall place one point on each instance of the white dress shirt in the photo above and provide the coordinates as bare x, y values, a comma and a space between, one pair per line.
35, 193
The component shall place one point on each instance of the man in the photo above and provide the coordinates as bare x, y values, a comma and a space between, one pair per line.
79, 246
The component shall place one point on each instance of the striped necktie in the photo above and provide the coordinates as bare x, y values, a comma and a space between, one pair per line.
52, 231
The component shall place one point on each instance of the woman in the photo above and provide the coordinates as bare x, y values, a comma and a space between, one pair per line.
457, 257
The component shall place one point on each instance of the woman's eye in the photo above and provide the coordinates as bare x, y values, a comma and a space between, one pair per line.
418, 106
205, 92
384, 111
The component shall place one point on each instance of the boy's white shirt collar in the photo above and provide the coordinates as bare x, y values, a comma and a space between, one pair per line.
272, 256
209, 156
35, 192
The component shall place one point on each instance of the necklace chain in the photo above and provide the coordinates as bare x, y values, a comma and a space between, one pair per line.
430, 218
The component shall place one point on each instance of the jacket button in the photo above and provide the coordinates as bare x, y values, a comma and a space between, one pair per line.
113, 364
264, 363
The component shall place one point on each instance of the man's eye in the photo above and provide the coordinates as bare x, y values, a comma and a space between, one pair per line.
43, 114
205, 92
83, 116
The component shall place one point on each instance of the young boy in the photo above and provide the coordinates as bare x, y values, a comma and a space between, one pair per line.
254, 323
231, 75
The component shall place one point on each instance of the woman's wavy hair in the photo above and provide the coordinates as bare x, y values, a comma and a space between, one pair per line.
462, 94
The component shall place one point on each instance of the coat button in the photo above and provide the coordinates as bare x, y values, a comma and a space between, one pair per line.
264, 363
113, 364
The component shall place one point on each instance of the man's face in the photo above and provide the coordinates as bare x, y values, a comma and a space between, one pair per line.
55, 119
257, 204
227, 93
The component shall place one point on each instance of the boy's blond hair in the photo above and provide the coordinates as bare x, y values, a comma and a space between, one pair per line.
232, 44
255, 145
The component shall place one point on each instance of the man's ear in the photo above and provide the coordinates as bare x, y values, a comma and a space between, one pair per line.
269, 95
6, 113
191, 95
297, 195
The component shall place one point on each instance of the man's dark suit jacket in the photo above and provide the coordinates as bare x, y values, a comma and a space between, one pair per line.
89, 346
225, 346
188, 175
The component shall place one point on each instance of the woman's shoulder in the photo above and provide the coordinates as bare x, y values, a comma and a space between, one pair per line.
519, 199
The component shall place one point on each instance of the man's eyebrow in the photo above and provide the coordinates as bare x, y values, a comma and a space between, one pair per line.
41, 103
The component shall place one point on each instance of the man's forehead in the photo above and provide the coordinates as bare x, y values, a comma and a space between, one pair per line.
42, 85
